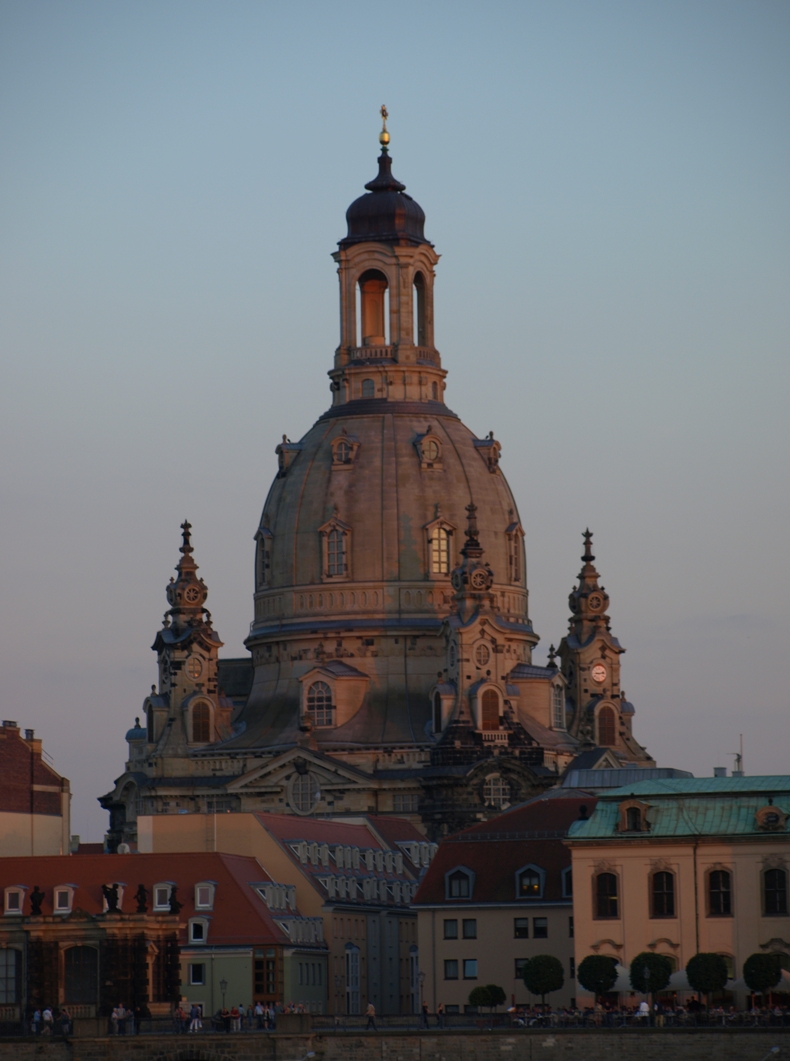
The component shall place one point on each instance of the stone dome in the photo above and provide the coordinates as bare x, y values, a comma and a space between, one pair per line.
386, 214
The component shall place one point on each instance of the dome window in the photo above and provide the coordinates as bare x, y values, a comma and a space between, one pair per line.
489, 709
344, 449
515, 551
429, 450
558, 706
319, 704
419, 311
368, 388
336, 541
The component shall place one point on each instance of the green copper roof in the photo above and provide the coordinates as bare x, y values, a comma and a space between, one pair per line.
716, 806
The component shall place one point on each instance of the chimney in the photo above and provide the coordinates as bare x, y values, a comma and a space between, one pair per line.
719, 771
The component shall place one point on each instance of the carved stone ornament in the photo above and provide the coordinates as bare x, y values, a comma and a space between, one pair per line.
771, 819
667, 942
660, 865
606, 943
604, 867
774, 861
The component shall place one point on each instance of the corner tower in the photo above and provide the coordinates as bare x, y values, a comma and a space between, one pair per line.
590, 654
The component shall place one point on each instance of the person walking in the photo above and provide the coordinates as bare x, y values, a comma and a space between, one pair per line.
65, 1022
36, 1022
47, 1020
424, 1015
194, 1022
440, 1015
226, 1018
234, 1016
242, 1016
259, 1016
370, 1012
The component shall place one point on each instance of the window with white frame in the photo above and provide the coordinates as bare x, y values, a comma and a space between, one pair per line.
204, 895
162, 896
459, 884
62, 900
14, 900
319, 704
198, 930
529, 882
439, 544
197, 973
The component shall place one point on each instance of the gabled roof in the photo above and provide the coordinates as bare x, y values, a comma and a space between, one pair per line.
530, 834
239, 916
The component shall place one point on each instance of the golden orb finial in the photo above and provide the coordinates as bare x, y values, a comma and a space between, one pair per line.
384, 136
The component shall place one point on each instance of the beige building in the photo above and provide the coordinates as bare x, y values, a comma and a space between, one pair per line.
358, 877
35, 801
390, 647
681, 866
496, 895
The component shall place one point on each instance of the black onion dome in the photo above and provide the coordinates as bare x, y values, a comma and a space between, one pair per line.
386, 214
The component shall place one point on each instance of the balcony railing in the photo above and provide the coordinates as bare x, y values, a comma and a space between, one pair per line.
389, 353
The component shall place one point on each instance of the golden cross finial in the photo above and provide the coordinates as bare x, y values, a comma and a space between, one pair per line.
384, 136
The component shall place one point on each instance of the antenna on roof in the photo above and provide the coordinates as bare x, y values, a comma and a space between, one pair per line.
737, 769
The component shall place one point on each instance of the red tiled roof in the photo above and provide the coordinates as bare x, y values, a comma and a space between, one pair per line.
530, 834
239, 916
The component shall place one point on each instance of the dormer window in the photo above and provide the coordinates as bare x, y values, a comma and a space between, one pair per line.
319, 704
529, 882
489, 708
198, 930
633, 819
204, 895
162, 897
567, 883
201, 723
14, 900
459, 884
62, 900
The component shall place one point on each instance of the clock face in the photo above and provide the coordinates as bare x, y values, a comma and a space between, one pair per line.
192, 594
479, 580
194, 667
594, 601
599, 672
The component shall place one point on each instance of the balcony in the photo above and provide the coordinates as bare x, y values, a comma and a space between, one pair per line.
494, 736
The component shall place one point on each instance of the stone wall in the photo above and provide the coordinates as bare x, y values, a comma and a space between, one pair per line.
581, 1045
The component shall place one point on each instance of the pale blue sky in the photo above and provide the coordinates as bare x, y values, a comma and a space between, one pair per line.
607, 184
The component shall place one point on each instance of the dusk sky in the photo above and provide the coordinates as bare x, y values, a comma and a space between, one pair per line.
607, 184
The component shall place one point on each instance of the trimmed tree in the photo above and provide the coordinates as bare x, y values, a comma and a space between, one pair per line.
479, 996
762, 972
597, 973
496, 995
650, 973
707, 973
542, 975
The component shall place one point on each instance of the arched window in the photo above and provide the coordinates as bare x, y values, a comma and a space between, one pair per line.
606, 904
419, 310
435, 391
459, 885
439, 543
530, 883
81, 975
496, 791
149, 718
263, 560
10, 975
319, 704
663, 894
606, 730
431, 450
489, 709
336, 552
633, 820
372, 292
342, 452
437, 713
514, 543
775, 892
558, 705
368, 388
201, 724
720, 893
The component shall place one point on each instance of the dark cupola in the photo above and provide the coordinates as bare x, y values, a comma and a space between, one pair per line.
386, 214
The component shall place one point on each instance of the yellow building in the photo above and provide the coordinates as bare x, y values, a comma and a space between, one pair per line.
680, 866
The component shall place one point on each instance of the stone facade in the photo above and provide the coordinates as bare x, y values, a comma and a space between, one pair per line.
391, 642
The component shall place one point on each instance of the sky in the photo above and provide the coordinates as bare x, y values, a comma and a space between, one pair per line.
607, 185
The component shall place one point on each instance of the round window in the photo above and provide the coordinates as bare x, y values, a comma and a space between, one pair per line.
430, 449
482, 655
194, 667
303, 793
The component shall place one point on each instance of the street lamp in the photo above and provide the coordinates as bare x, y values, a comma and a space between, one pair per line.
223, 986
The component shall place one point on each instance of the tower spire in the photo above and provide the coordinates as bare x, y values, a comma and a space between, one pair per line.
187, 593
384, 136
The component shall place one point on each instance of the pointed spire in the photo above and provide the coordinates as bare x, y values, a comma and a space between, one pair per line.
187, 594
384, 136
552, 657
186, 532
